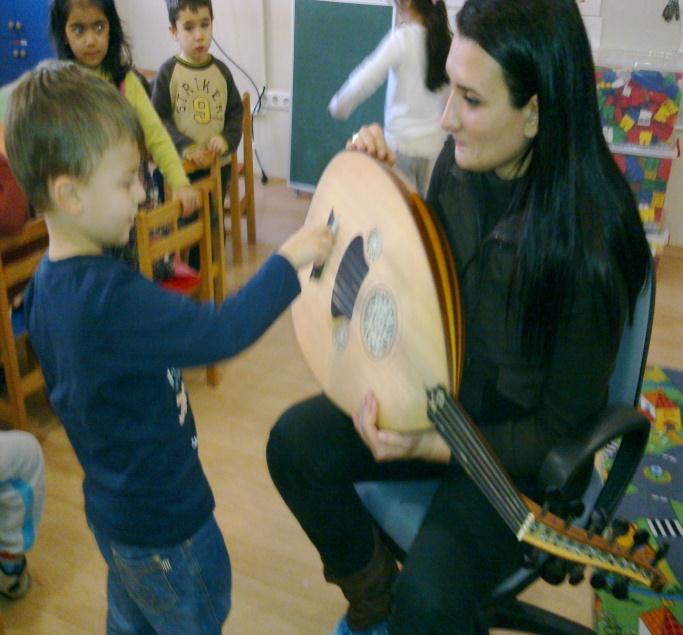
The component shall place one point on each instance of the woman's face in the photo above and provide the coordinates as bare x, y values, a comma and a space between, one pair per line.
490, 134
87, 32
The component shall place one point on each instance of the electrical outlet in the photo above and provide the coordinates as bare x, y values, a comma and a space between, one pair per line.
276, 100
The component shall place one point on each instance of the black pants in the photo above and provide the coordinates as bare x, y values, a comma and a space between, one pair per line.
463, 548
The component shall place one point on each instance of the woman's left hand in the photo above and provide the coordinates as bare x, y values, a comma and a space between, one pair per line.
388, 445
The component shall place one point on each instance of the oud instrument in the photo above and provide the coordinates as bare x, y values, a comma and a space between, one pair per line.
383, 314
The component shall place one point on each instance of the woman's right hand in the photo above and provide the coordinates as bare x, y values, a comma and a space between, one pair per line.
370, 139
388, 445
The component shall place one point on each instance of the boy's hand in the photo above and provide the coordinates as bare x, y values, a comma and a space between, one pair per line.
308, 244
201, 157
189, 198
217, 145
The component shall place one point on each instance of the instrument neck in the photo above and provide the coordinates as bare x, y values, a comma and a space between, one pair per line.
475, 456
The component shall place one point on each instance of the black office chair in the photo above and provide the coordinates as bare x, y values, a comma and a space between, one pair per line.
399, 507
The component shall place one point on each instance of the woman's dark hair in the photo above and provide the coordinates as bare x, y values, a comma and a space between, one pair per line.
579, 220
118, 60
438, 40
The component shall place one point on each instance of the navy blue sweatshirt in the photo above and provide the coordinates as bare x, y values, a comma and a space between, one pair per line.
110, 344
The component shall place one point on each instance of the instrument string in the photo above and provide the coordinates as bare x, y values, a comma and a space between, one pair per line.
501, 493
487, 474
503, 488
352, 272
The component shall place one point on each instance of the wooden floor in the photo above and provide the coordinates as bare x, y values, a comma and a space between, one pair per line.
277, 576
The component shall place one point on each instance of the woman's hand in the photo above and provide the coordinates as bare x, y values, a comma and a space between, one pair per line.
370, 139
387, 445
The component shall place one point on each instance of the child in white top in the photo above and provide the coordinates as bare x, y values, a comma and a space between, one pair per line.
413, 56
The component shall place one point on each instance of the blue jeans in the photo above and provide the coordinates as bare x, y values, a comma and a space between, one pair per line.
184, 589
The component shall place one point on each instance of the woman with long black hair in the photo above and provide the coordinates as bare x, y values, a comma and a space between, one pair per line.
551, 255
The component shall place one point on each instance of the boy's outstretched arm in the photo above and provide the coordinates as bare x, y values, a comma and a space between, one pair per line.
155, 329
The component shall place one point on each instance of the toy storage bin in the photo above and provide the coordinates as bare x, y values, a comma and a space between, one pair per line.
639, 96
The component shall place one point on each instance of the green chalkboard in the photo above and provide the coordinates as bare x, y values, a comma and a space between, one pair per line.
330, 40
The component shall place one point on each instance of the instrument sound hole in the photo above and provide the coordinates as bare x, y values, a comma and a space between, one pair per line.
378, 323
350, 275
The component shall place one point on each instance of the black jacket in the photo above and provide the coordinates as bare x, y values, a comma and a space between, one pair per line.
521, 405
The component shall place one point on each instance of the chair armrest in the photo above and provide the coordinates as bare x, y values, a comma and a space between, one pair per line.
571, 457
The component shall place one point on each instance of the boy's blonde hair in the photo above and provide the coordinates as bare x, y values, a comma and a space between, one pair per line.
60, 120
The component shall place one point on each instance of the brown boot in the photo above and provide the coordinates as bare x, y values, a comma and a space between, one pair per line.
368, 590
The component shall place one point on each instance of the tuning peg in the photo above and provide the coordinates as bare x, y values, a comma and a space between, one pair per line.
598, 580
554, 571
576, 508
640, 538
620, 527
576, 574
661, 552
531, 559
620, 590
552, 496
598, 520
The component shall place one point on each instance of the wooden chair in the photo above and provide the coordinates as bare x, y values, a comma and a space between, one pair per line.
158, 233
19, 257
212, 185
245, 204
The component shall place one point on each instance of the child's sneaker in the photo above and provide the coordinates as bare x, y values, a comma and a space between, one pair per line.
381, 628
15, 585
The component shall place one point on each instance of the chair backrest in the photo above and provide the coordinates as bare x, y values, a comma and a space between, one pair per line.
213, 186
627, 377
400, 506
159, 233
19, 257
242, 204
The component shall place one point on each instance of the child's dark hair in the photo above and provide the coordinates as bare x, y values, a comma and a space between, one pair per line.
118, 60
175, 6
439, 36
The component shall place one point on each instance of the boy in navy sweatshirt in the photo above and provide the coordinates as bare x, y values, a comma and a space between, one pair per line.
111, 345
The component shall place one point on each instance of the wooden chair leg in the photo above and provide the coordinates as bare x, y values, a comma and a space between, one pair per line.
213, 377
235, 215
218, 243
248, 150
15, 394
